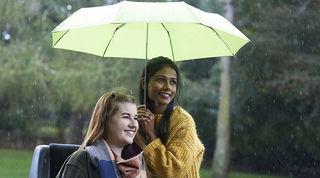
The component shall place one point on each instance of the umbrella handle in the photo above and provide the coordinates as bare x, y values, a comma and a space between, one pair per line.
145, 69
145, 85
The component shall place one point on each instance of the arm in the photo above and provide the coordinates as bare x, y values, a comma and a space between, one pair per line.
178, 156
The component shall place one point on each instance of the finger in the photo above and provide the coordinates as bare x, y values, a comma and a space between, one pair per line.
142, 119
142, 106
145, 114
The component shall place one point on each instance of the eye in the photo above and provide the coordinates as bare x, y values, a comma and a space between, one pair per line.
173, 82
160, 79
135, 117
126, 117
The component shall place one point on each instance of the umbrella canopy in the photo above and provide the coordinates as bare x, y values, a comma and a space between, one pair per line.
148, 29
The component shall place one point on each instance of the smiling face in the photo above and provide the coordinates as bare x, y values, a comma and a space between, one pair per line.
123, 126
162, 88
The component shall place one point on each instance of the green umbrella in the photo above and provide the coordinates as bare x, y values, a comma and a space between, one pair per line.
148, 29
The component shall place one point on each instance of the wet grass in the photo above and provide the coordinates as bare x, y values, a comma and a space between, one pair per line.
205, 173
16, 164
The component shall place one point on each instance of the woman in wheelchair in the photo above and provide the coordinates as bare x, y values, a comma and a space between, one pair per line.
108, 149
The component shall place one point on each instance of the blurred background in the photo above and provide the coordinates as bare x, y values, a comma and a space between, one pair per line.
47, 95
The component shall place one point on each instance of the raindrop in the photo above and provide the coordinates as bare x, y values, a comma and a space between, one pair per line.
69, 7
6, 36
5, 65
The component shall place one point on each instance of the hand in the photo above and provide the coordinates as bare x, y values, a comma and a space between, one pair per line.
146, 122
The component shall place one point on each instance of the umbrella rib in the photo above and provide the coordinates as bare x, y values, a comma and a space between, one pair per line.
105, 50
169, 41
221, 39
147, 36
60, 38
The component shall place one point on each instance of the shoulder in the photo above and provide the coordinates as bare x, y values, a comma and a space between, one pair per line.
179, 112
182, 117
79, 157
81, 153
76, 165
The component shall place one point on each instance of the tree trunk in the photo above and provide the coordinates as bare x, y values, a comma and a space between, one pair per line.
221, 157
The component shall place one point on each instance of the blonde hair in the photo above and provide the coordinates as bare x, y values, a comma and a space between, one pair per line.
105, 108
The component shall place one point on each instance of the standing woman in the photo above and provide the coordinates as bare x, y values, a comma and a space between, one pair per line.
171, 144
108, 150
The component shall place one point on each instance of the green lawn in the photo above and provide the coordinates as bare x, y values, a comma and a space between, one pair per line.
16, 164
205, 173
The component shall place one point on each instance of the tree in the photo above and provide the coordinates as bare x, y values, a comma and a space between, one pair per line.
221, 155
274, 98
43, 87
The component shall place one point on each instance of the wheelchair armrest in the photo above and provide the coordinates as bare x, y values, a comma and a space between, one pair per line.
40, 162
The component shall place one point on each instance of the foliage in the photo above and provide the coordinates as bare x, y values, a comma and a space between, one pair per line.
200, 98
276, 103
40, 86
23, 90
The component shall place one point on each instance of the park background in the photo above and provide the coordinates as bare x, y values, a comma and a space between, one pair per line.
47, 95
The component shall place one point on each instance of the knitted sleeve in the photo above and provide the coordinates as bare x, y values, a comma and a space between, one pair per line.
182, 151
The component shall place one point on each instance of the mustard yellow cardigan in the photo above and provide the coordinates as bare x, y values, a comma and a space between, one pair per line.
182, 155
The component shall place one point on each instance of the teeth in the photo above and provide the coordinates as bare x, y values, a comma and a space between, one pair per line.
165, 95
130, 132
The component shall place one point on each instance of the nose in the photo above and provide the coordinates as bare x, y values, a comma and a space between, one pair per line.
167, 85
133, 123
